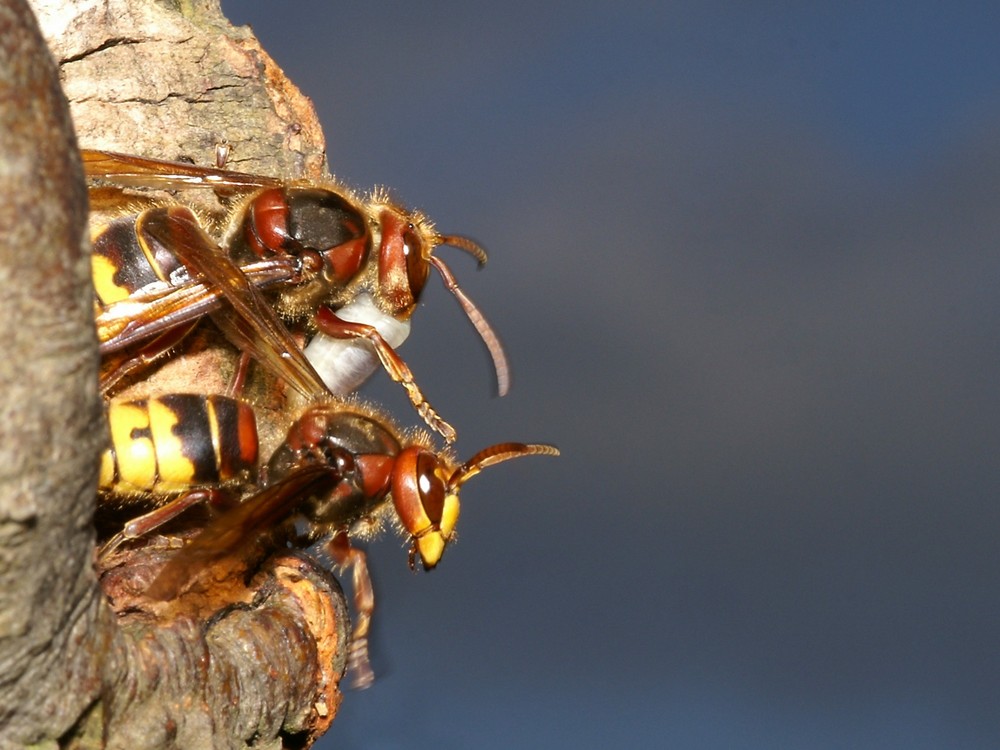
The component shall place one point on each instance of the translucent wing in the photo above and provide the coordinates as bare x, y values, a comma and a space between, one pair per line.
138, 171
237, 531
254, 327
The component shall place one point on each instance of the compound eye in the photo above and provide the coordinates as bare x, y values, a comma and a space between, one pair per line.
432, 490
417, 267
418, 490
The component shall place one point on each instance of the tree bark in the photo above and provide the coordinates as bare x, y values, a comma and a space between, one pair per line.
87, 663
51, 612
173, 79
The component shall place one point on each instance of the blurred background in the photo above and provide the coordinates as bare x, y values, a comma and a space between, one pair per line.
745, 260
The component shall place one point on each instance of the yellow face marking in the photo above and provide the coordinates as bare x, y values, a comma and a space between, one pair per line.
449, 516
176, 471
431, 544
133, 446
431, 547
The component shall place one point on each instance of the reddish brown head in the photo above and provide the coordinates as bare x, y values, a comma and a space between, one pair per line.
406, 248
425, 493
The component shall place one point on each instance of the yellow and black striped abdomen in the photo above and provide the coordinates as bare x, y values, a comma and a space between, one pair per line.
171, 443
125, 258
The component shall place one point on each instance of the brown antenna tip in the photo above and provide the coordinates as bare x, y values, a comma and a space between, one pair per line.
472, 247
496, 454
482, 326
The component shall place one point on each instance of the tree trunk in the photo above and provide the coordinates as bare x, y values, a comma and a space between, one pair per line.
80, 665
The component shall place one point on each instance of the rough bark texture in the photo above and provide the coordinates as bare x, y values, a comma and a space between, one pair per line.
254, 664
51, 613
173, 80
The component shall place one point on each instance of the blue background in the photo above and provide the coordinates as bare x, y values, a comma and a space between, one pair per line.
745, 262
